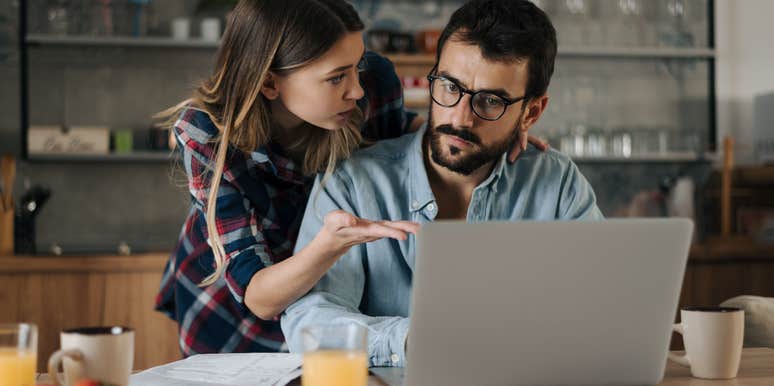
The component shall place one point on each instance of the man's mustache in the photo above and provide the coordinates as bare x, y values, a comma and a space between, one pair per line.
462, 134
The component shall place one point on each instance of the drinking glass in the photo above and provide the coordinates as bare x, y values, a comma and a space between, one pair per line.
18, 354
335, 354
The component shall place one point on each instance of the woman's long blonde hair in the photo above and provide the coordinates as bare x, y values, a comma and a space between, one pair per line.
262, 36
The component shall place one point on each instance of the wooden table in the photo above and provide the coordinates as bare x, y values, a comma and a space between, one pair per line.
757, 369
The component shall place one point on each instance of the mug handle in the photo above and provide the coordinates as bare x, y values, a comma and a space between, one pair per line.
680, 359
56, 360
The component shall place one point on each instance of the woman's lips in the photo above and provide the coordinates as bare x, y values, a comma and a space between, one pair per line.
345, 115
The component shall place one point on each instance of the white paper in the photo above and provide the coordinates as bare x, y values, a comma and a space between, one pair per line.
224, 370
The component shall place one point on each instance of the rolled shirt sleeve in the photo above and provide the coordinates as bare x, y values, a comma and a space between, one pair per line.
239, 227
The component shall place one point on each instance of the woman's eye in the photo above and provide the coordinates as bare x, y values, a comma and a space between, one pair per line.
337, 79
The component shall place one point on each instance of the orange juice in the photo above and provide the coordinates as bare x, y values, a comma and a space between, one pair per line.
335, 368
17, 368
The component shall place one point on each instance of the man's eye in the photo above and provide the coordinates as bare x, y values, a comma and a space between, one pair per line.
451, 87
493, 101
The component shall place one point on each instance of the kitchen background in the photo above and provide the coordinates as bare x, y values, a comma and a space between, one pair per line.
643, 94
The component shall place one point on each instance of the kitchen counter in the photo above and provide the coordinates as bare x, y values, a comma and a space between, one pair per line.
60, 292
146, 262
729, 249
711, 250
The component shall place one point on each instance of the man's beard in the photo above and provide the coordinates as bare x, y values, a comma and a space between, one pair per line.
480, 155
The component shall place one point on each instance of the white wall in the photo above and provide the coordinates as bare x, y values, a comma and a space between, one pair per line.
745, 67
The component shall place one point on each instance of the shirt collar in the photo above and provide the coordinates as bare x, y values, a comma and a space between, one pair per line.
269, 157
420, 193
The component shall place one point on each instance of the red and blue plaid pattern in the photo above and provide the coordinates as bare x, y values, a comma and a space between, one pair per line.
261, 200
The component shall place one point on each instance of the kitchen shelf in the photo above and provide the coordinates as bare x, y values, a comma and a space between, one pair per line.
675, 156
117, 41
139, 156
638, 52
422, 59
590, 52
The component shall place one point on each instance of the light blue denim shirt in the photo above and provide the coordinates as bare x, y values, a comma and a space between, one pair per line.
371, 284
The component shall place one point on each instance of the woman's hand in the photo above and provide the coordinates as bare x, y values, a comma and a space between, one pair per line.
342, 230
275, 287
521, 145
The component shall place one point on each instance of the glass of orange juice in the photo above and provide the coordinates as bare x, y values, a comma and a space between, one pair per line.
335, 355
18, 354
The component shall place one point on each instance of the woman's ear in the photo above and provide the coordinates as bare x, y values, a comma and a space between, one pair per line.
270, 88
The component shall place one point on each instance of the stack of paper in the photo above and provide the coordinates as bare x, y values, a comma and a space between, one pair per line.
224, 370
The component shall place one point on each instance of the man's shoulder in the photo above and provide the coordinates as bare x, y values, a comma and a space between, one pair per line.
550, 162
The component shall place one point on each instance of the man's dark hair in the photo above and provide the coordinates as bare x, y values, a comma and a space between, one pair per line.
506, 31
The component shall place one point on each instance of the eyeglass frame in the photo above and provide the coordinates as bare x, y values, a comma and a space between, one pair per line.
431, 78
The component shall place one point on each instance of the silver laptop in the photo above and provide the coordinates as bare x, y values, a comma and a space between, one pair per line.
544, 303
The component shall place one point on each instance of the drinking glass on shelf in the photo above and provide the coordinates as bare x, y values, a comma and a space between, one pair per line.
572, 23
674, 30
18, 354
578, 139
596, 143
621, 143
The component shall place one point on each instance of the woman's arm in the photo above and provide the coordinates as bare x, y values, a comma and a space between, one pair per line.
275, 287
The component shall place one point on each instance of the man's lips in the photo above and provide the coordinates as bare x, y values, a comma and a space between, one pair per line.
457, 141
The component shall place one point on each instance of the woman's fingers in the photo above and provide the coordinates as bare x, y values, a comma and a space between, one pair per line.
521, 145
513, 154
539, 143
375, 229
354, 229
406, 226
339, 219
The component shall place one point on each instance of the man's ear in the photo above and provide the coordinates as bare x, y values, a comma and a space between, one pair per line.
270, 87
534, 110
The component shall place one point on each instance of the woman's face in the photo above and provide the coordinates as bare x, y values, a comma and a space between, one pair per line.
325, 91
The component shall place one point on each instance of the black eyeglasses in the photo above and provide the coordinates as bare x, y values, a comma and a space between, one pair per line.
485, 105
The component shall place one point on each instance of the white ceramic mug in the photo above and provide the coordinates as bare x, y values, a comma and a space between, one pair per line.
713, 338
210, 29
181, 28
105, 354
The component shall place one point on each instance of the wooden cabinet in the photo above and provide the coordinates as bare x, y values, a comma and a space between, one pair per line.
57, 293
722, 268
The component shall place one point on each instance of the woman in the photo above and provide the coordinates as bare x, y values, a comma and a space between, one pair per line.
293, 91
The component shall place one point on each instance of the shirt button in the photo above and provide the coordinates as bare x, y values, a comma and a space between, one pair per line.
431, 207
395, 358
414, 204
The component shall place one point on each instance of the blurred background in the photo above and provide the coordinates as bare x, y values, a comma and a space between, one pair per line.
667, 106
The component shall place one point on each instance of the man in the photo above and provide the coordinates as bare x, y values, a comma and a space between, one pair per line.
494, 63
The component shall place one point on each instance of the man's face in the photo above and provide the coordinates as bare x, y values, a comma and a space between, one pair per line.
460, 140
